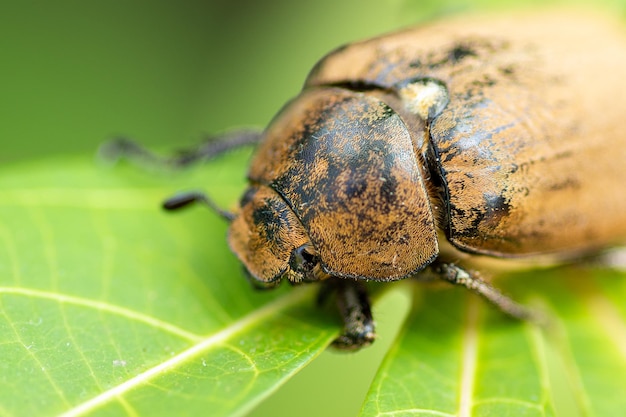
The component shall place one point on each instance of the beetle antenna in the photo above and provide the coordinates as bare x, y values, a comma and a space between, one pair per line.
184, 199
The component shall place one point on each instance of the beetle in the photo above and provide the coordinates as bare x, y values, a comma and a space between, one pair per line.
471, 137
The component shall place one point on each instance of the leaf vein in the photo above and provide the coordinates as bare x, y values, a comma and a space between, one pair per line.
106, 307
40, 365
470, 354
416, 411
208, 343
498, 400
609, 320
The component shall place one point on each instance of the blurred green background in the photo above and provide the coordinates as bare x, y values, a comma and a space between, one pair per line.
75, 73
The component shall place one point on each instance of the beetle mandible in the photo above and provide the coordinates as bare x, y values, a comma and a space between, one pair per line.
497, 136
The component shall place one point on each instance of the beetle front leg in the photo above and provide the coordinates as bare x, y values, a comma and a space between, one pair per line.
208, 149
187, 198
355, 310
471, 280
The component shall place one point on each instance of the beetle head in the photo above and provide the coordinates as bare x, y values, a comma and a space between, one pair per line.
270, 241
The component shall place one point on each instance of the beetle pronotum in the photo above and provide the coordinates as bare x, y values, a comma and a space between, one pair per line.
496, 136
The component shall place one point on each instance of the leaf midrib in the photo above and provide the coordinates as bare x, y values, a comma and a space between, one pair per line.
204, 344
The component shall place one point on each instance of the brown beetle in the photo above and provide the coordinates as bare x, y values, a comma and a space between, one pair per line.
484, 135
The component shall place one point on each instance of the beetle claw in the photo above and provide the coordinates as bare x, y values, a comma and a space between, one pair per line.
355, 341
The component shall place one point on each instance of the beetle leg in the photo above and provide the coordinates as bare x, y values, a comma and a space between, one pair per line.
208, 149
186, 198
471, 280
354, 307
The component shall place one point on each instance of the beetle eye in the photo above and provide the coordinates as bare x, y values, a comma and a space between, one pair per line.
302, 260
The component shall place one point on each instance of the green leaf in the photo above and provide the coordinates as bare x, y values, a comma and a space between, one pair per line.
109, 306
456, 356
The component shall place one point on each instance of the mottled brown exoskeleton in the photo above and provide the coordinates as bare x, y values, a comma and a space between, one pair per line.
484, 135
